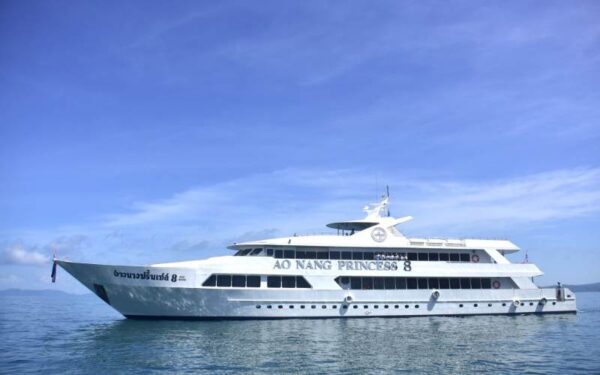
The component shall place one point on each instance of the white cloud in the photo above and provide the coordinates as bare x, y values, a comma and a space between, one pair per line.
19, 254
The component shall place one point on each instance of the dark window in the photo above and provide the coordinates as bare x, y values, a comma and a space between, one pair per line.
334, 255
465, 283
422, 283
280, 307
416, 306
355, 306
311, 255
486, 283
288, 254
270, 252
454, 283
423, 256
406, 306
291, 306
300, 254
274, 281
411, 283
434, 256
503, 304
334, 307
475, 305
211, 281
224, 280
390, 283
475, 283
465, 257
278, 254
302, 306
400, 283
369, 255
444, 284
269, 306
355, 283
367, 283
255, 251
322, 255
345, 280
489, 305
246, 251
444, 257
346, 255
433, 283
366, 306
258, 306
288, 281
253, 281
324, 306
378, 283
345, 307
396, 306
376, 306
386, 306
313, 306
302, 283
461, 305
357, 255
239, 281
412, 256
454, 257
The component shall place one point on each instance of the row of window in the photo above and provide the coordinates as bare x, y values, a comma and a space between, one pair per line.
413, 283
357, 255
253, 281
356, 306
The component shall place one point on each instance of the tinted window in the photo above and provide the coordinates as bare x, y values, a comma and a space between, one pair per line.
255, 251
301, 282
390, 283
253, 281
357, 255
422, 283
412, 256
454, 283
270, 252
444, 284
288, 281
444, 257
465, 257
239, 281
367, 283
300, 254
322, 255
288, 254
423, 256
211, 281
279, 254
378, 283
224, 280
334, 255
355, 283
369, 255
274, 281
411, 283
475, 283
486, 283
400, 283
433, 283
346, 255
246, 251
454, 257
311, 255
465, 283
434, 256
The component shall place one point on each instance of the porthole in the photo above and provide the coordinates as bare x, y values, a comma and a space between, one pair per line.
554, 303
355, 306
280, 307
530, 303
416, 306
396, 306
269, 306
386, 306
366, 306
376, 306
313, 307
324, 306
345, 307
489, 305
503, 304
522, 304
461, 305
291, 306
302, 306
258, 306
475, 305
334, 307
406, 306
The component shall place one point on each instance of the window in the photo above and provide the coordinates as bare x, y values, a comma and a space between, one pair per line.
386, 306
313, 306
245, 252
291, 306
367, 283
406, 306
239, 281
434, 283
256, 251
288, 282
434, 256
444, 257
401, 283
289, 254
311, 255
369, 255
274, 281
211, 281
334, 255
454, 283
355, 306
416, 306
378, 283
302, 283
423, 256
223, 280
412, 256
475, 283
345, 280
253, 281
278, 254
346, 255
390, 283
300, 254
269, 306
454, 257
322, 255
486, 284
357, 255
411, 283
270, 252
324, 306
461, 305
302, 306
355, 283
444, 283
475, 305
465, 283
422, 283
465, 257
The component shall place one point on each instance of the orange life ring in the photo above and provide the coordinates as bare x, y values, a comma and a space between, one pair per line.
475, 258
496, 284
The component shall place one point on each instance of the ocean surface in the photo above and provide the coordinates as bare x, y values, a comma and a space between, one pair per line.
81, 335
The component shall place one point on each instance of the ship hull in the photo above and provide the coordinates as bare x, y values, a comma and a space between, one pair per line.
174, 293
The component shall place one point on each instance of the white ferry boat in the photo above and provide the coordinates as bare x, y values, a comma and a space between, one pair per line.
367, 269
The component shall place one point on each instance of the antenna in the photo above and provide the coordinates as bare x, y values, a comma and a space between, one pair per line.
387, 194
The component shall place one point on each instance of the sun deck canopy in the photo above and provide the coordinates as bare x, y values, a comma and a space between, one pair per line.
355, 225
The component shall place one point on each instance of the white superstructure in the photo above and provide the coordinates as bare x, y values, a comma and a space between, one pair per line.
367, 269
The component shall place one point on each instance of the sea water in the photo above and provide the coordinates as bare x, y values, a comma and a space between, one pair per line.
82, 335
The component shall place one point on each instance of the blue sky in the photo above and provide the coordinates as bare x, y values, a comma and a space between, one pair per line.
142, 132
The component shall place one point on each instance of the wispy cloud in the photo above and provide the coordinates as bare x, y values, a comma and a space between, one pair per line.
18, 254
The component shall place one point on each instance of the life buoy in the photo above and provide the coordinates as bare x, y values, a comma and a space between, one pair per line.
516, 302
435, 294
348, 299
496, 284
475, 258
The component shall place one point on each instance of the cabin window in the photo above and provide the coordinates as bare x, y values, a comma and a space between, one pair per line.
300, 254
246, 251
256, 252
412, 256
475, 283
434, 283
486, 284
334, 255
357, 255
422, 283
346, 255
454, 257
253, 281
390, 283
278, 254
274, 281
322, 255
378, 283
444, 257
302, 283
355, 283
345, 280
401, 283
369, 255
434, 256
444, 284
211, 281
367, 283
289, 254
223, 280
465, 257
423, 256
411, 283
311, 255
288, 282
465, 283
454, 283
239, 281
270, 252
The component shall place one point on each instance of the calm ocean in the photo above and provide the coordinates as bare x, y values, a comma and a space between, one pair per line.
81, 335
